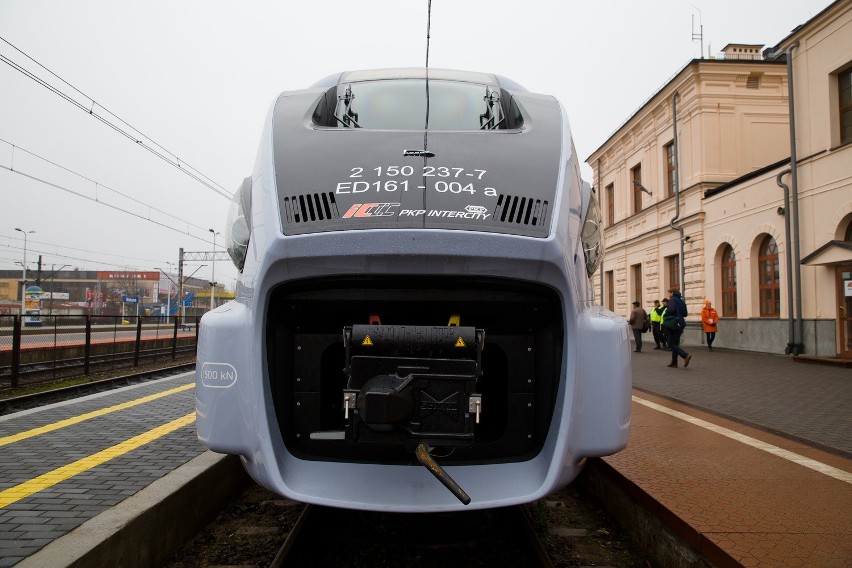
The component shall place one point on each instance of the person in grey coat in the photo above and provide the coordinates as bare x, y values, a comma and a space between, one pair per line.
638, 320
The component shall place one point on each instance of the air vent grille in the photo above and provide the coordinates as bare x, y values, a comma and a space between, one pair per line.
521, 210
310, 207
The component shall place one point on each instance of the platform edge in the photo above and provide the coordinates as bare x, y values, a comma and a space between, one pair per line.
147, 528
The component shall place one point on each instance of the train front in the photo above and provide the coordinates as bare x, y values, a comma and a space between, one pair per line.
414, 328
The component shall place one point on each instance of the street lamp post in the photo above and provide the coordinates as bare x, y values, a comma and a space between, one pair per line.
24, 272
213, 272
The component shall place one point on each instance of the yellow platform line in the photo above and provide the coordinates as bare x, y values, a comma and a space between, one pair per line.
89, 415
18, 492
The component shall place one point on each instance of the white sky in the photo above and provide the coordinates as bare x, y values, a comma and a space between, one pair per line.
198, 78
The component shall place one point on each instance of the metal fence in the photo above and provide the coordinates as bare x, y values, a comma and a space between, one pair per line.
36, 349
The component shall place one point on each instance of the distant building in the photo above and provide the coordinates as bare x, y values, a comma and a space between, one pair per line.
103, 292
733, 146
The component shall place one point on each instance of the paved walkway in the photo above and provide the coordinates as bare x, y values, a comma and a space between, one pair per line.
779, 494
804, 401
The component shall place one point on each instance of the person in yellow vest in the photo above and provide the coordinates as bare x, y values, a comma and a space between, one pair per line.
656, 320
709, 319
663, 331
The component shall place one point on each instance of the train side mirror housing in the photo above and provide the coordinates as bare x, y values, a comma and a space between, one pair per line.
238, 227
592, 232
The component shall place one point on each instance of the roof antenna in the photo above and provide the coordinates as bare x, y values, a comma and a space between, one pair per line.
700, 35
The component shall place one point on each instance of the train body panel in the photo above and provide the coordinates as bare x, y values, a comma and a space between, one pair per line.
362, 336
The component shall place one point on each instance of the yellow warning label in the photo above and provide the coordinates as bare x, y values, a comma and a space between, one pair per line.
368, 342
460, 342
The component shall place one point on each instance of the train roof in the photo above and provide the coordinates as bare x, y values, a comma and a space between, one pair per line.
389, 149
437, 74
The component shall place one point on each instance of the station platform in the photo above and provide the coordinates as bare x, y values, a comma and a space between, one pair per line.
765, 479
746, 457
65, 463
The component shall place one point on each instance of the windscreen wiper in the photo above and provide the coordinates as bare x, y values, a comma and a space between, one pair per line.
492, 118
350, 118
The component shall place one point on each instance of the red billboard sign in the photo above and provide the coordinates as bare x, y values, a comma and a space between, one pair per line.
128, 275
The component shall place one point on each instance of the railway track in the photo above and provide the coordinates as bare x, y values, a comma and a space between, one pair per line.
262, 529
23, 402
496, 537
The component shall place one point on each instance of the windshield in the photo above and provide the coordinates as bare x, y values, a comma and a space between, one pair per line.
407, 104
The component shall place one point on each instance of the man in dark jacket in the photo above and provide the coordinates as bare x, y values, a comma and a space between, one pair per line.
674, 321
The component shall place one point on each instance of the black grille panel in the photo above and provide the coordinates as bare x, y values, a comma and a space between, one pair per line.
310, 207
520, 210
521, 362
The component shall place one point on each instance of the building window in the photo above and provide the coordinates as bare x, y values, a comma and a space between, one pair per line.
670, 169
729, 283
636, 271
610, 291
636, 176
610, 204
672, 272
844, 80
768, 278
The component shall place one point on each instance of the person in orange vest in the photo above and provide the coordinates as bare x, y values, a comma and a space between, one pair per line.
709, 319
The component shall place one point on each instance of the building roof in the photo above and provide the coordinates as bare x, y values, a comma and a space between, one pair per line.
832, 252
791, 37
757, 45
677, 78
746, 177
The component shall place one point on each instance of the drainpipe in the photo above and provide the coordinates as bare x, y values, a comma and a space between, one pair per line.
791, 336
600, 202
798, 347
673, 222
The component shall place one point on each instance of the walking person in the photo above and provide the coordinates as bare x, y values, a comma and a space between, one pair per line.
709, 319
664, 333
638, 320
674, 321
656, 321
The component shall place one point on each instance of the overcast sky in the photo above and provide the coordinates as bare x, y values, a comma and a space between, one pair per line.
198, 78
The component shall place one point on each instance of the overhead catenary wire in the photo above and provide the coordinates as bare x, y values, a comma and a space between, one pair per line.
428, 99
105, 204
13, 247
69, 257
141, 140
428, 31
97, 185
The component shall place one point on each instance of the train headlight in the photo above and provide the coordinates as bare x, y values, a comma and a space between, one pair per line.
592, 236
238, 227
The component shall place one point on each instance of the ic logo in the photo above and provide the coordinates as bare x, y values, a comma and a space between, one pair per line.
371, 210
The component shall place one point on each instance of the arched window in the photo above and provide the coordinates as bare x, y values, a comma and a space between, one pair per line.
768, 278
729, 283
